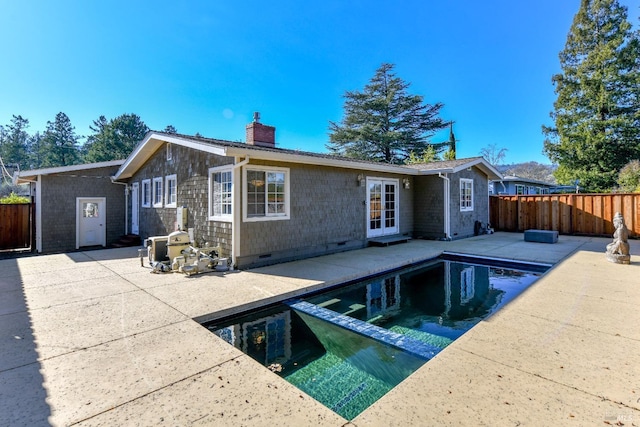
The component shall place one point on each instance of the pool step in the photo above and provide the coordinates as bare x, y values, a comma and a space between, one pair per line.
339, 385
432, 339
403, 342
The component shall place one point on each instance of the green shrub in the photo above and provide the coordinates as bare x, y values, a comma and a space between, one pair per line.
14, 199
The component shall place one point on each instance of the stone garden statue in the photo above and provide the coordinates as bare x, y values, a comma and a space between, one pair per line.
618, 250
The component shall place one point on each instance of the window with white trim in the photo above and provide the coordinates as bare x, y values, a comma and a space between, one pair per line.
467, 285
220, 193
266, 194
157, 192
466, 194
519, 189
171, 191
146, 193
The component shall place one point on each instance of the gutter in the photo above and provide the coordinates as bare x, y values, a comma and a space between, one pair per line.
447, 205
236, 195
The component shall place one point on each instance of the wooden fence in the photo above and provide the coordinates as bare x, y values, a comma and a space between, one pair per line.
583, 214
16, 226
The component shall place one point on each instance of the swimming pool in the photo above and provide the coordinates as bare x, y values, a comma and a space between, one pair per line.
349, 345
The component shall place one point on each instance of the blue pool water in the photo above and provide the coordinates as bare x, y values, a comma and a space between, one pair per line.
350, 345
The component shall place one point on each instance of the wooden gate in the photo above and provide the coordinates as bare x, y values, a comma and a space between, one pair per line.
584, 214
16, 226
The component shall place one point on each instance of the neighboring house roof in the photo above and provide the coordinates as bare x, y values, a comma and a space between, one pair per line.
513, 178
153, 140
457, 165
23, 177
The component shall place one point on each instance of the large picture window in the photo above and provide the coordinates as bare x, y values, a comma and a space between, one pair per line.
146, 193
266, 195
466, 194
220, 193
157, 192
171, 189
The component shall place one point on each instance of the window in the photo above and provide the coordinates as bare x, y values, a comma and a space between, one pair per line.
466, 194
157, 192
220, 193
467, 285
146, 193
266, 195
90, 210
519, 190
171, 189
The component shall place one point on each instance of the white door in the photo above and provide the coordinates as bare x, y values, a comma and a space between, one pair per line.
91, 224
382, 207
135, 205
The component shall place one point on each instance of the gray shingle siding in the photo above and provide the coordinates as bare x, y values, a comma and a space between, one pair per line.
58, 199
327, 214
462, 223
429, 207
191, 168
327, 209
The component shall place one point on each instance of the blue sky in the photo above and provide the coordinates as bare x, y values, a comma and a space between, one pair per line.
205, 66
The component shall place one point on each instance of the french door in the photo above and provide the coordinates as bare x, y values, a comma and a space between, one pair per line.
382, 207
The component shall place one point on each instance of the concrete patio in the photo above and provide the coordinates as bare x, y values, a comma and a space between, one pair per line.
93, 339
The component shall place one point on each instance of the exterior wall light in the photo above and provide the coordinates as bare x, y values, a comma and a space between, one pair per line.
361, 180
406, 183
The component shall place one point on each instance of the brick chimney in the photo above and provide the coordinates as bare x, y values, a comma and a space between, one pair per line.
259, 134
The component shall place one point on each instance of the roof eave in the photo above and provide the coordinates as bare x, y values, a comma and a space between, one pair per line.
27, 176
150, 144
302, 158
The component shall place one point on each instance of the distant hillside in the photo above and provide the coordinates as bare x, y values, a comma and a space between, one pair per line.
531, 170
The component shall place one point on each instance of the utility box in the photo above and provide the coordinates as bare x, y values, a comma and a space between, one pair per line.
541, 236
181, 218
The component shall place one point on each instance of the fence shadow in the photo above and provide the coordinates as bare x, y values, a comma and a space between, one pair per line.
23, 397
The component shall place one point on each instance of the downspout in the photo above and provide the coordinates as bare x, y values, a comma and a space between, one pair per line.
236, 203
447, 206
39, 214
126, 204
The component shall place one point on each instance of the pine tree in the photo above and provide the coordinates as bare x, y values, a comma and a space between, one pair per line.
384, 122
59, 145
114, 139
170, 129
596, 115
13, 145
35, 151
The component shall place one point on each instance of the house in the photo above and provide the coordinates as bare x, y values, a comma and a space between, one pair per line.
515, 185
262, 204
76, 206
